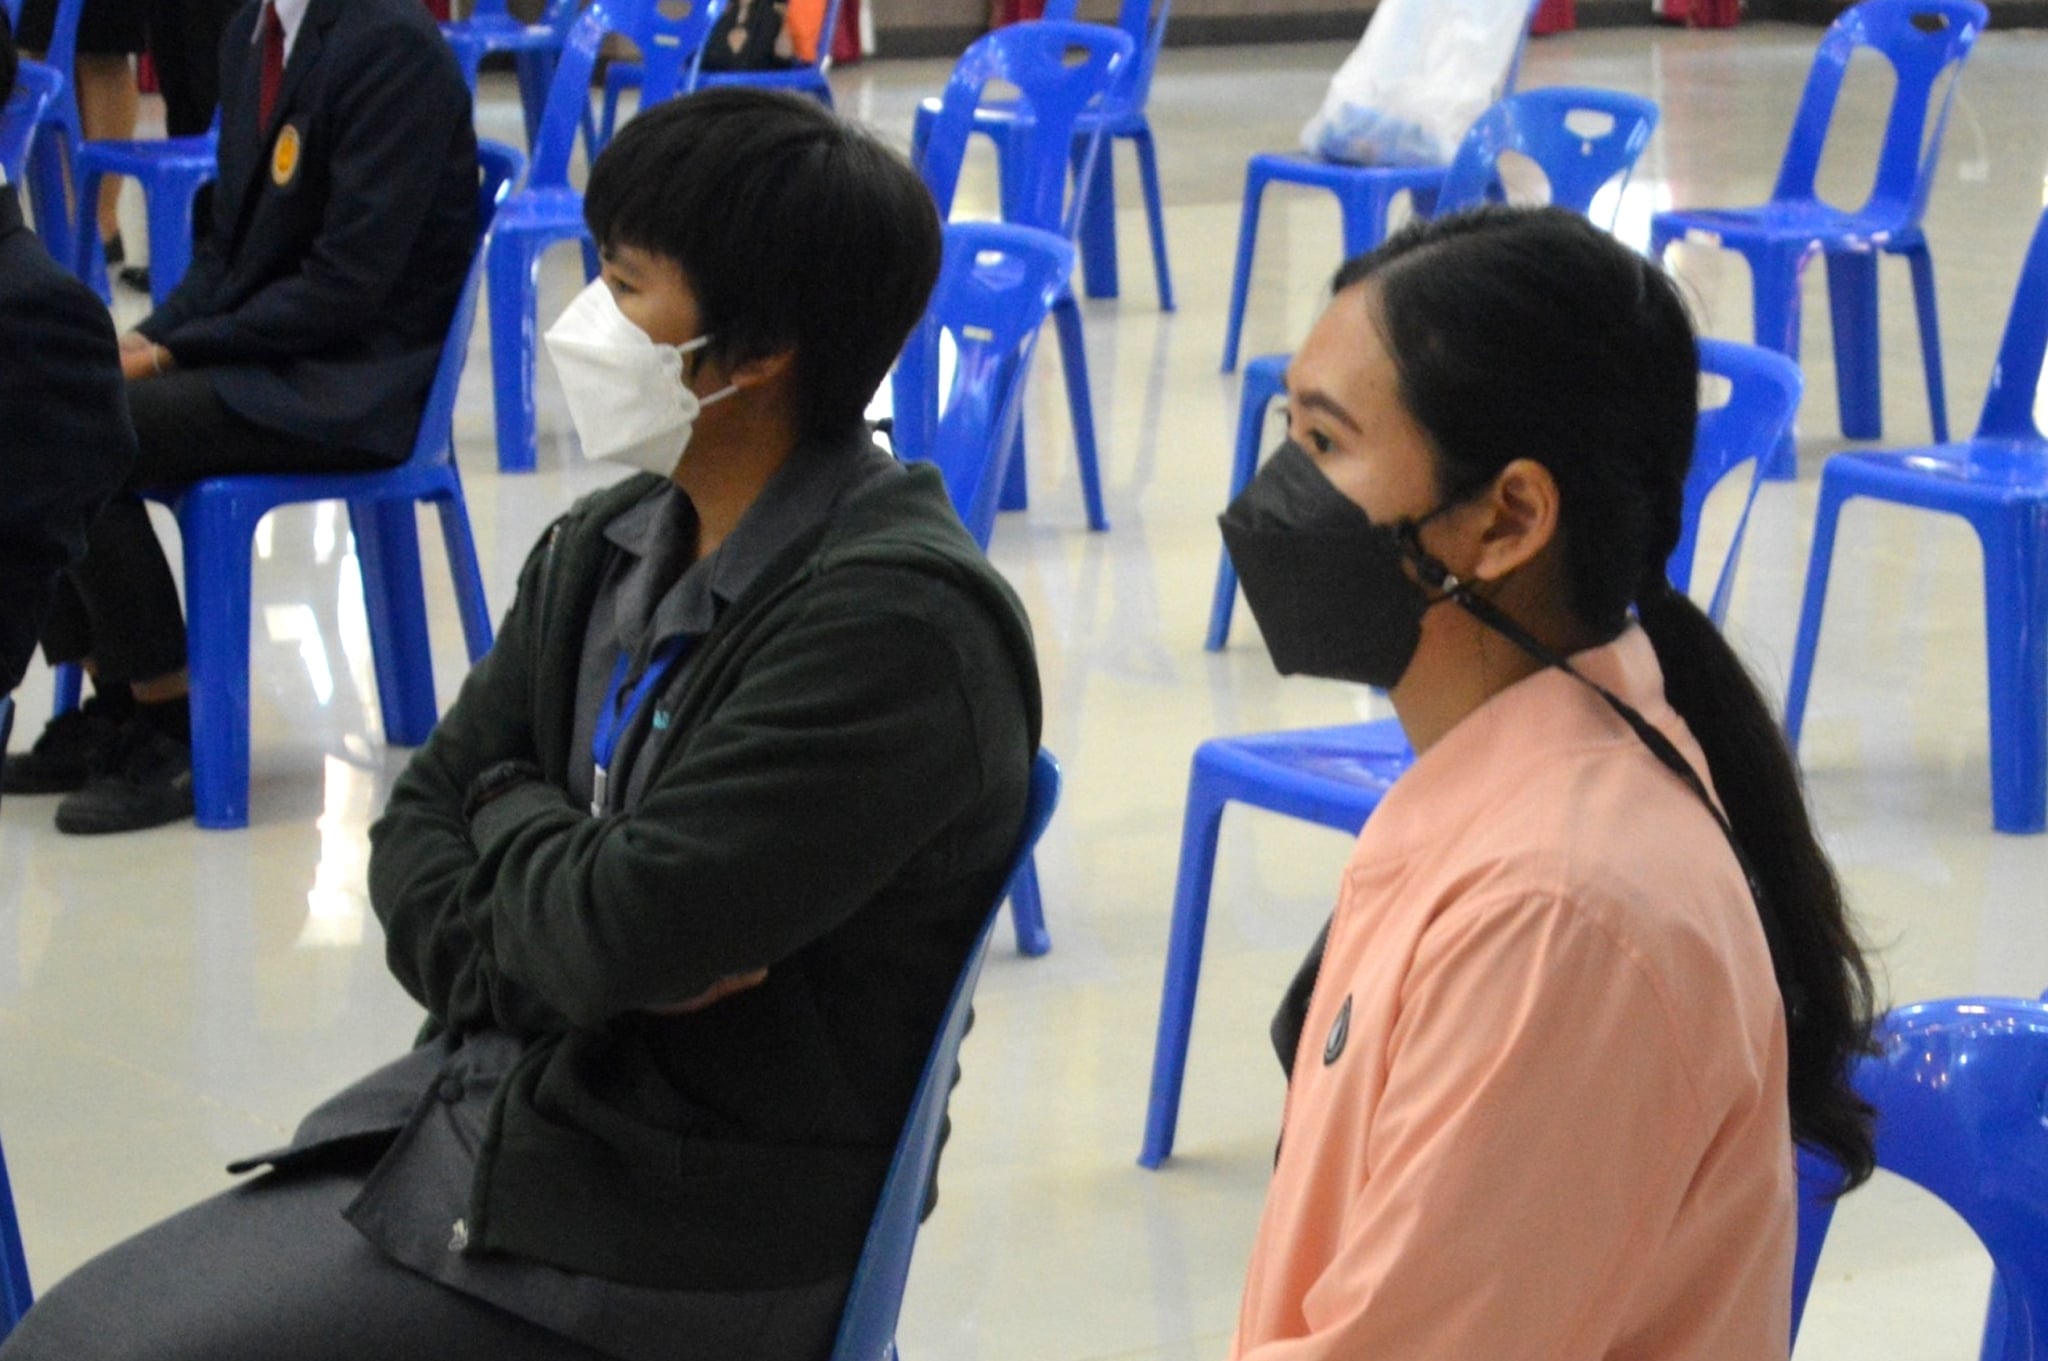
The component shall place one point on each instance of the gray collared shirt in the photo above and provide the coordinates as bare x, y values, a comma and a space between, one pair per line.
656, 591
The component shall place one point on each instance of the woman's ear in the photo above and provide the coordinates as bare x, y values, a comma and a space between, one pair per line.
1513, 521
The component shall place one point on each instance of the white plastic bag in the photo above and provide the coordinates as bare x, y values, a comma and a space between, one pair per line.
1422, 73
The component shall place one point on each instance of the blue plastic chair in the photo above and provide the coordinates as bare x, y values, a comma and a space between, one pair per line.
804, 78
534, 48
994, 290
218, 516
1336, 777
1957, 1085
53, 149
1365, 195
1119, 114
1538, 124
171, 171
1033, 58
35, 85
867, 1329
1998, 481
547, 210
15, 1294
1923, 40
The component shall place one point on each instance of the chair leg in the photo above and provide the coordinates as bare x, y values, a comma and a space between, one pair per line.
1365, 206
1241, 276
535, 73
1223, 605
70, 686
1155, 214
1774, 282
170, 234
467, 574
1027, 911
2015, 601
1098, 217
49, 174
1016, 490
1244, 462
388, 550
90, 262
1859, 375
1074, 363
15, 1293
1929, 315
217, 584
509, 277
1818, 563
1199, 828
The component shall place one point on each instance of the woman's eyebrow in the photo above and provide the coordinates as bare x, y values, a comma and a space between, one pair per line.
1314, 399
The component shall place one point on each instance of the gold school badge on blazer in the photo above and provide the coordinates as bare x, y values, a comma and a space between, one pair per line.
284, 157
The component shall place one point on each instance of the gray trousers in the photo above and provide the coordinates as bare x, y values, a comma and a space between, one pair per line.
265, 1271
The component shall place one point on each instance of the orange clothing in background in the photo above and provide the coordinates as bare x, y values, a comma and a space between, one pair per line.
1538, 1111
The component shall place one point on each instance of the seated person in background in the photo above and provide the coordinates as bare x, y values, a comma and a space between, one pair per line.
303, 339
1590, 975
67, 443
686, 875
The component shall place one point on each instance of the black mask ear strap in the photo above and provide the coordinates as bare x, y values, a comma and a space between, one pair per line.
1491, 615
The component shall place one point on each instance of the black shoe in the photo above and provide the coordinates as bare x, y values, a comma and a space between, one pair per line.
135, 277
150, 786
115, 252
73, 749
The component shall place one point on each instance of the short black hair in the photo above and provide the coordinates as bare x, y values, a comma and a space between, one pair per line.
797, 230
10, 60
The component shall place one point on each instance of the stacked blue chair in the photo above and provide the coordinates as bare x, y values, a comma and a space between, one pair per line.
534, 49
53, 149
1365, 194
1118, 115
1337, 776
218, 516
1998, 481
1925, 41
994, 290
1957, 1086
1536, 124
547, 210
171, 171
867, 1329
1033, 58
806, 77
35, 85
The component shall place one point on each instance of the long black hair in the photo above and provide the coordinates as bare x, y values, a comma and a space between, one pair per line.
1530, 333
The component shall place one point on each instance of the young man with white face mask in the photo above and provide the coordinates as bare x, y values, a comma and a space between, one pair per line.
685, 876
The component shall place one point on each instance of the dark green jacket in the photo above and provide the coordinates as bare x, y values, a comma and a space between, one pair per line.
837, 799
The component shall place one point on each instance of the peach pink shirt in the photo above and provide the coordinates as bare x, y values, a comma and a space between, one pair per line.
1552, 1125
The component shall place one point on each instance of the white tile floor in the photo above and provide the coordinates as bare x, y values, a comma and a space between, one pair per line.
170, 999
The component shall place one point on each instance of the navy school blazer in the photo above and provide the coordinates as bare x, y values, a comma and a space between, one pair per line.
341, 233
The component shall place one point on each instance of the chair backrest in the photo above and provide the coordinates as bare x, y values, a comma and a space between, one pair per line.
498, 170
35, 85
995, 288
1144, 21
1051, 93
669, 34
1921, 39
2016, 376
1539, 124
1958, 1086
867, 1330
1764, 389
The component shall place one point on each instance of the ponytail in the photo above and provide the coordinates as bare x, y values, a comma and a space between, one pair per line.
1607, 401
1821, 974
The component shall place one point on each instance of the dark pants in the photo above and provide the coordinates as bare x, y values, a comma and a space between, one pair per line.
184, 42
265, 1271
119, 605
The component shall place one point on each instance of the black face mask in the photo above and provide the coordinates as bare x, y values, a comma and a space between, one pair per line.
1328, 585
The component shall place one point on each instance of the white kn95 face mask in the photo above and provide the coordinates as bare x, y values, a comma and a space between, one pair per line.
626, 394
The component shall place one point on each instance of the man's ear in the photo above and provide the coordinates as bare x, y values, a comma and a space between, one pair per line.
1514, 520
763, 370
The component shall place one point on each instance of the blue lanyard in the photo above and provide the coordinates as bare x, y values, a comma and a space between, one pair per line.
617, 712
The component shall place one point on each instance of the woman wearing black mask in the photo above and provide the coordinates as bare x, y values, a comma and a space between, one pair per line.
1589, 976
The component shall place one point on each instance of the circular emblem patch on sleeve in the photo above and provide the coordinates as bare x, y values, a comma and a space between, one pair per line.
284, 157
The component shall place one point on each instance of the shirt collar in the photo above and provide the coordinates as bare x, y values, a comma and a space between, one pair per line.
290, 13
